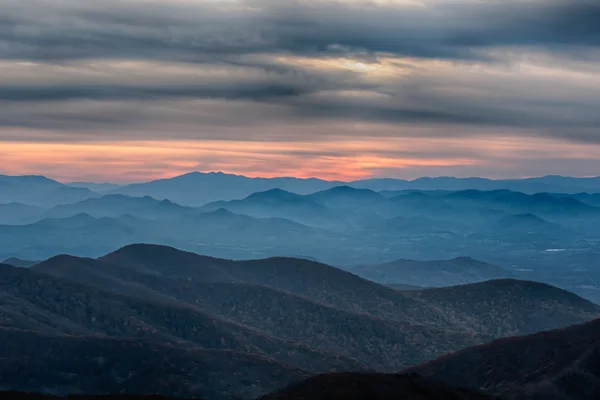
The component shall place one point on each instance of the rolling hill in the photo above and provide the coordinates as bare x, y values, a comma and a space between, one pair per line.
559, 364
509, 311
295, 316
320, 306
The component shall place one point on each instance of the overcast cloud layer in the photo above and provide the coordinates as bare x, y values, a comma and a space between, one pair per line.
353, 88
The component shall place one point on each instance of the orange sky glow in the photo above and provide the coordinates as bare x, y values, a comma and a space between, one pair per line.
132, 161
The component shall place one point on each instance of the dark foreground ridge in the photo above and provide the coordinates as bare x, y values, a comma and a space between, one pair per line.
562, 364
337, 386
38, 396
156, 320
356, 386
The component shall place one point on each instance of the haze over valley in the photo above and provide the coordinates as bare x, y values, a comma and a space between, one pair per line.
436, 232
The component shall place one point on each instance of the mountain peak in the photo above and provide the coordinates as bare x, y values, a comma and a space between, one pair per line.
275, 193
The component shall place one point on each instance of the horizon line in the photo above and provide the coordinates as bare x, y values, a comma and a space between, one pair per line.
67, 182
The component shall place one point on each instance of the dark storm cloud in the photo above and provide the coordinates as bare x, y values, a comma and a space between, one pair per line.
242, 91
252, 34
58, 31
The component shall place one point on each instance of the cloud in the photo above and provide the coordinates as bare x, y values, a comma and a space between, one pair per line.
533, 96
299, 71
209, 30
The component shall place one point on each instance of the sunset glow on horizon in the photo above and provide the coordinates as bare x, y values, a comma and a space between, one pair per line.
329, 89
128, 162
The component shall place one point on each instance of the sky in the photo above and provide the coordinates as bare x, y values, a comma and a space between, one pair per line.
133, 90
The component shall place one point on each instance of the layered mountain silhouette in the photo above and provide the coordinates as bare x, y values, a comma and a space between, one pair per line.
277, 203
117, 205
338, 223
542, 203
18, 213
17, 262
456, 271
219, 233
196, 188
39, 191
200, 188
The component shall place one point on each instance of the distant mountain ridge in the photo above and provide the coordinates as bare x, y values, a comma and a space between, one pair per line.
456, 271
39, 191
197, 188
17, 262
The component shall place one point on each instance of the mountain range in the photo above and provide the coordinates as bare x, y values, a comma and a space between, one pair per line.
200, 188
196, 188
546, 237
235, 324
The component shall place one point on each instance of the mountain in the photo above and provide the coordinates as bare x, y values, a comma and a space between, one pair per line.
18, 213
321, 306
558, 184
63, 365
506, 307
538, 203
519, 226
117, 205
346, 196
558, 364
278, 313
219, 233
587, 198
413, 225
80, 234
353, 386
196, 188
318, 282
432, 273
341, 208
68, 308
525, 222
277, 203
39, 191
17, 262
95, 187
